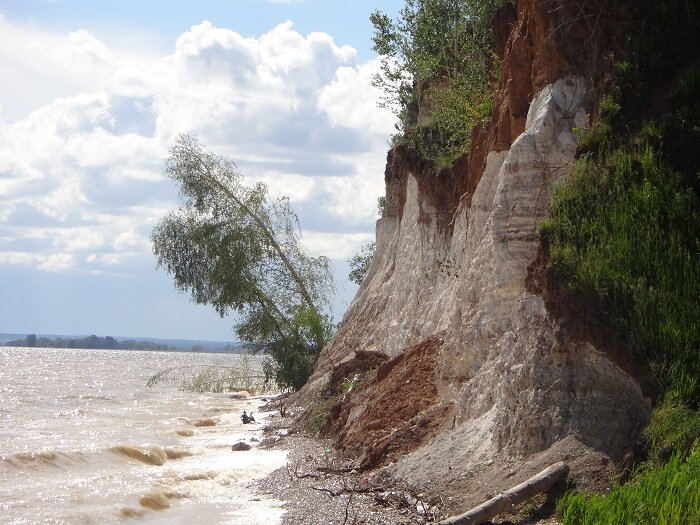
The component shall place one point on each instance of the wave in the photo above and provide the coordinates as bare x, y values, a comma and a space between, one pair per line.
204, 422
75, 412
159, 499
218, 408
151, 455
35, 460
177, 452
155, 501
198, 476
130, 513
90, 397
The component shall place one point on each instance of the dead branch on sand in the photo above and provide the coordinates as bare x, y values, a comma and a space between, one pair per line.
506, 501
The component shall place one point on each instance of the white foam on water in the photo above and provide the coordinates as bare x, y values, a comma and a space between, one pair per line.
82, 440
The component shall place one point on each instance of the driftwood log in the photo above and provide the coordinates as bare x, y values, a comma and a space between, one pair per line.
506, 501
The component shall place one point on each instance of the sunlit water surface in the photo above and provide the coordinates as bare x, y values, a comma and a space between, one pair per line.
84, 441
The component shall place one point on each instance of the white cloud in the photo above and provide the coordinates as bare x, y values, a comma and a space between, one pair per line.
80, 239
339, 246
81, 156
350, 100
57, 262
110, 259
296, 187
64, 200
20, 258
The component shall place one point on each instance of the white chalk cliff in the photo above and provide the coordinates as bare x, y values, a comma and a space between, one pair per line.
525, 391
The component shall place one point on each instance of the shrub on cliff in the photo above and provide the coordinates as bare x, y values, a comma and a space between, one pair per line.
624, 233
625, 226
435, 72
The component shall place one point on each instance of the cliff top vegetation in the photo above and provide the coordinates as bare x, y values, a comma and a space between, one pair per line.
437, 60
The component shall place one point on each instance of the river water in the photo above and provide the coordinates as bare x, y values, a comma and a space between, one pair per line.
84, 441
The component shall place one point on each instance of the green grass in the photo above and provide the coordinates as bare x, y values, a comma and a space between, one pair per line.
624, 235
673, 427
666, 495
624, 232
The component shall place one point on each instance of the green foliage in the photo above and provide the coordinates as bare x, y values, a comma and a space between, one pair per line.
673, 426
232, 246
360, 262
381, 205
435, 71
294, 357
669, 495
456, 108
624, 233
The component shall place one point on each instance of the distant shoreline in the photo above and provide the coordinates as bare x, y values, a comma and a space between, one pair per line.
170, 350
118, 343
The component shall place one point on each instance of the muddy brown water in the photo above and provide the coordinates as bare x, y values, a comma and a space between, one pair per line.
84, 441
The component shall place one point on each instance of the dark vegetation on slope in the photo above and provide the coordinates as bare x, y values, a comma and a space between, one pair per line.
624, 235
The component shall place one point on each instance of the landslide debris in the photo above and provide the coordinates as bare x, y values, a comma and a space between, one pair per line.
396, 410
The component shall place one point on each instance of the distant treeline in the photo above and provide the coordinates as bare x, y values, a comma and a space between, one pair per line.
92, 341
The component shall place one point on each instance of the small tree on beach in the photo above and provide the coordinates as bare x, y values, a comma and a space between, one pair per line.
234, 247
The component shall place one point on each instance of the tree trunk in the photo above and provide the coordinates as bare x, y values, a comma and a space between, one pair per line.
506, 501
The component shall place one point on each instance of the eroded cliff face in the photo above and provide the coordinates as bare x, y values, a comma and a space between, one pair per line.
516, 388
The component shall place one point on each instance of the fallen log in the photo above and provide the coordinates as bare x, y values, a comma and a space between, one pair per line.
506, 501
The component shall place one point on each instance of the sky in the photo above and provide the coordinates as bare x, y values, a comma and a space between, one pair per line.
92, 95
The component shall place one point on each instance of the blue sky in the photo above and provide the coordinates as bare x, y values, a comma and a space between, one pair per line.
94, 93
160, 23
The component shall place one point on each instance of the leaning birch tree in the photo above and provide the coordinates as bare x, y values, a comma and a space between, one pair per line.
236, 248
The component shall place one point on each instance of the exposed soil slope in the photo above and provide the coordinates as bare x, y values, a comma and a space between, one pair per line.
398, 405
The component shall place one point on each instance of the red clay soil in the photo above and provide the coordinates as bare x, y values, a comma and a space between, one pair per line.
538, 43
400, 408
